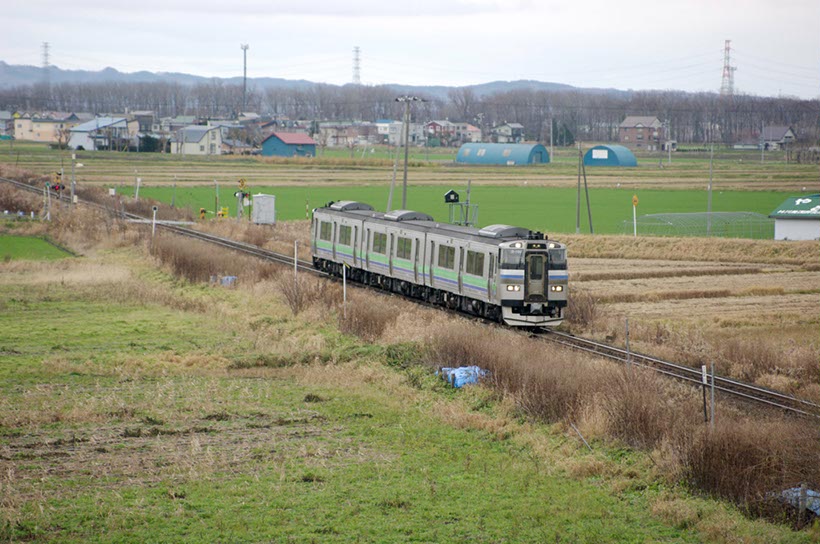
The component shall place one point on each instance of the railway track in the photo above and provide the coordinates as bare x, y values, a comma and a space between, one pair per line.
745, 391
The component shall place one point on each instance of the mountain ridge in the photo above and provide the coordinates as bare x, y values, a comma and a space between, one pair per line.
17, 75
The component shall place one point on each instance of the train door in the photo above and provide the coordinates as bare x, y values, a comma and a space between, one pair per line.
333, 239
432, 256
416, 261
390, 254
367, 249
355, 242
490, 276
535, 281
460, 269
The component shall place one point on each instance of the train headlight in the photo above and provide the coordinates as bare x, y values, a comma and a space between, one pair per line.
513, 288
556, 288
518, 245
553, 245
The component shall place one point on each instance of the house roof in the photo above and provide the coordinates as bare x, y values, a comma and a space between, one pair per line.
195, 133
292, 138
231, 142
98, 123
798, 207
775, 133
632, 121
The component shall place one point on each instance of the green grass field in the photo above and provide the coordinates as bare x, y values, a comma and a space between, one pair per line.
550, 209
26, 247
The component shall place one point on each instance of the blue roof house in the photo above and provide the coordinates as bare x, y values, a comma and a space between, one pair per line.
288, 144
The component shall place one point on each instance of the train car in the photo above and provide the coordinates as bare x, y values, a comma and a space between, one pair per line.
505, 273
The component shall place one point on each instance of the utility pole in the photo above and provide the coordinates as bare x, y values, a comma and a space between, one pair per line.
244, 47
709, 198
406, 99
552, 150
578, 195
73, 179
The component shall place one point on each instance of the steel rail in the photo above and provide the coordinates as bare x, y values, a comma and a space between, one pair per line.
740, 389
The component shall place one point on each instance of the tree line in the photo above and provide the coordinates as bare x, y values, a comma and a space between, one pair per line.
693, 118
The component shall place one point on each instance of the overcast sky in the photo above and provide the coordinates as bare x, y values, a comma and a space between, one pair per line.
625, 44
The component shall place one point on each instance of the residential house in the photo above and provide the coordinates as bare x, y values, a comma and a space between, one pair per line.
197, 140
467, 133
6, 123
146, 120
777, 137
171, 125
289, 144
509, 133
104, 133
51, 127
644, 132
235, 146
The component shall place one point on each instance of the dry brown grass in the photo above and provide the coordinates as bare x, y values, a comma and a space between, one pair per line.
305, 291
728, 250
745, 460
583, 309
742, 460
367, 318
199, 261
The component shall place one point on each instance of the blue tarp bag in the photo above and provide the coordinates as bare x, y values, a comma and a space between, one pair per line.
463, 375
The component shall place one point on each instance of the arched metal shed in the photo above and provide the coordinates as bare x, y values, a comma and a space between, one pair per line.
503, 154
610, 155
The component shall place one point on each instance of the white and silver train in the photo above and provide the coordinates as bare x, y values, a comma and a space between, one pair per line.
500, 272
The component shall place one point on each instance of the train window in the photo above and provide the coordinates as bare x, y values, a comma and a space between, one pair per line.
379, 243
404, 247
492, 266
344, 235
558, 259
447, 257
326, 230
475, 263
512, 259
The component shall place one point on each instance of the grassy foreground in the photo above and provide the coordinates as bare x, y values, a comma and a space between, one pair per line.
26, 247
137, 408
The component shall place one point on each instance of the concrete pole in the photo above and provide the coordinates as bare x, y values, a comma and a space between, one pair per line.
406, 153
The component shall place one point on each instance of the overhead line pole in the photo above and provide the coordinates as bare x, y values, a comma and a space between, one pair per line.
406, 99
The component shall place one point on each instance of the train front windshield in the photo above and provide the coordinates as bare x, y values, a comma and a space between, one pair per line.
558, 259
512, 259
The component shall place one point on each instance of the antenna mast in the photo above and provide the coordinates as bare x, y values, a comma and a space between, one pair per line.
244, 47
357, 66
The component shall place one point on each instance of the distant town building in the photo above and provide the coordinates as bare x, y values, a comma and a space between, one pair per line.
6, 123
508, 133
798, 218
502, 154
197, 140
51, 127
289, 144
777, 137
610, 155
104, 133
642, 132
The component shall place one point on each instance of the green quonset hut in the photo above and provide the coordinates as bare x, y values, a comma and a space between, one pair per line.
610, 155
503, 154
